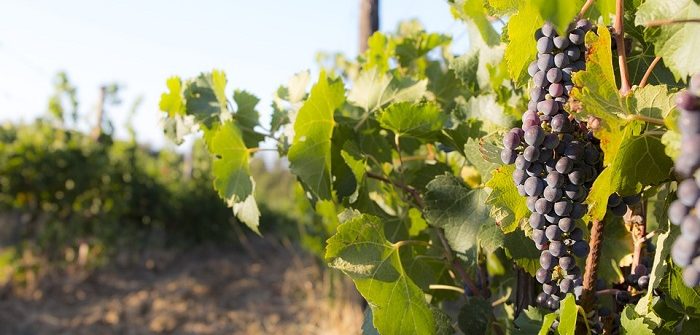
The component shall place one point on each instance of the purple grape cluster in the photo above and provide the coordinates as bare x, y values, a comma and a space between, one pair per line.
685, 211
555, 162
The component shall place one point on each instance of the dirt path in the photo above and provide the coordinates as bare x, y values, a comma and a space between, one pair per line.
210, 290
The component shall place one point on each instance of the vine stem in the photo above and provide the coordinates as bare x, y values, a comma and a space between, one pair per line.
585, 8
645, 119
647, 74
446, 287
619, 28
592, 262
637, 218
664, 22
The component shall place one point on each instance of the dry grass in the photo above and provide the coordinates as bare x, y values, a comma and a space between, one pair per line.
210, 290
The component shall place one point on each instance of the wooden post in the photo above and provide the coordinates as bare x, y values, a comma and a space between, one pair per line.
369, 21
97, 129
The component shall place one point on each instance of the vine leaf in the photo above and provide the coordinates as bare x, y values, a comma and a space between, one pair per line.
171, 101
616, 246
530, 321
633, 323
476, 12
232, 179
676, 43
475, 316
360, 250
522, 251
678, 296
205, 98
310, 153
373, 90
521, 50
568, 313
559, 13
640, 161
247, 117
406, 119
654, 101
459, 210
508, 207
547, 323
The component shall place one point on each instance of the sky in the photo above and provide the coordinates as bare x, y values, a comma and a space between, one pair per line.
139, 44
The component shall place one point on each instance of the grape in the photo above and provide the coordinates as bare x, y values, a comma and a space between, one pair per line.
691, 276
542, 206
554, 75
562, 208
572, 52
534, 186
688, 192
549, 289
640, 270
551, 217
555, 179
543, 276
576, 36
580, 249
690, 228
544, 45
614, 200
575, 192
521, 190
547, 260
535, 169
578, 211
556, 89
552, 194
577, 177
567, 262
519, 176
677, 212
511, 140
631, 200
618, 210
548, 107
521, 163
548, 30
550, 141
537, 221
566, 285
538, 236
566, 224
530, 153
508, 156
537, 94
622, 297
564, 165
557, 248
561, 42
561, 60
553, 233
574, 151
542, 299
576, 234
643, 282
687, 101
532, 68
545, 62
560, 123
540, 80
553, 304
530, 201
682, 251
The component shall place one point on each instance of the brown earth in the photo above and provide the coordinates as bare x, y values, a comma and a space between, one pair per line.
272, 289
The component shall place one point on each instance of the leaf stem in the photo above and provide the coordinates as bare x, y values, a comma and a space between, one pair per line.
446, 287
585, 8
619, 28
410, 190
645, 118
648, 73
400, 244
592, 263
665, 22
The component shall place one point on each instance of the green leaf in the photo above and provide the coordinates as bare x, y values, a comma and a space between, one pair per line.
530, 321
568, 313
522, 251
205, 98
460, 211
521, 48
640, 161
407, 119
171, 102
379, 52
475, 316
683, 299
476, 12
373, 90
232, 179
487, 109
504, 7
310, 153
508, 207
473, 155
178, 126
466, 68
547, 323
654, 101
559, 13
247, 117
616, 246
639, 60
676, 43
632, 323
360, 250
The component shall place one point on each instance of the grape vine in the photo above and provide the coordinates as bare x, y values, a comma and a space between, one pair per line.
430, 178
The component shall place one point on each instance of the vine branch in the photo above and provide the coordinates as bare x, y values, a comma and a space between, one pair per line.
619, 28
585, 8
592, 262
648, 73
665, 22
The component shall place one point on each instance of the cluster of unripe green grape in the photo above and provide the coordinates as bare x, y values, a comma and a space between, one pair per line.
556, 161
685, 211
